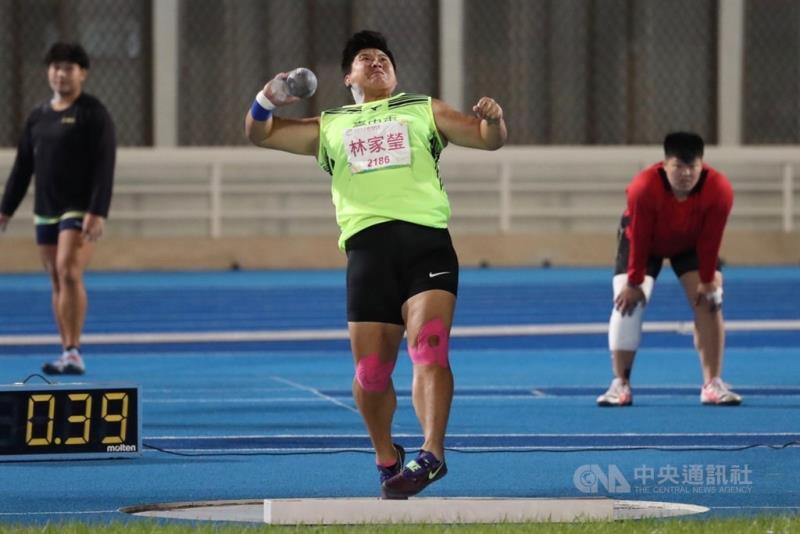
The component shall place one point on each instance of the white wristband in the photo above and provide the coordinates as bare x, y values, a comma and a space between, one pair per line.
264, 102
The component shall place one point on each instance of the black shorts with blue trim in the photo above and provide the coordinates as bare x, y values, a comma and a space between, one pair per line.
390, 262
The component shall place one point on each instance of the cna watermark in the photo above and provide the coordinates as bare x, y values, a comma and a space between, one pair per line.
655, 480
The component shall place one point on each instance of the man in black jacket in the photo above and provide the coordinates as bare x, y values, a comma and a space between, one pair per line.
69, 144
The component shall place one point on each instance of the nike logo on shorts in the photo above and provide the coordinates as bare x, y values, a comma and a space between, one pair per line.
434, 275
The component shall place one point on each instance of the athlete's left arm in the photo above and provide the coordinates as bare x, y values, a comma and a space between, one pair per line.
486, 130
715, 217
103, 157
104, 154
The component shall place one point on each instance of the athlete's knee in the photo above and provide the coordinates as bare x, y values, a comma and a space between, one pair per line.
709, 303
68, 274
620, 280
625, 331
372, 374
432, 344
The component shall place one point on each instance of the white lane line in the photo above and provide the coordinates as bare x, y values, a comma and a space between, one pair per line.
682, 327
316, 392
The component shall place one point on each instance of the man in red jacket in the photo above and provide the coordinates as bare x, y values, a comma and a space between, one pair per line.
677, 209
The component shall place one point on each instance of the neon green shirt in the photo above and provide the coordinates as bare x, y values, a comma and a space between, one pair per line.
384, 160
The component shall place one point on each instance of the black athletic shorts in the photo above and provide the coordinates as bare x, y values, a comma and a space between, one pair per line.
390, 262
681, 263
47, 234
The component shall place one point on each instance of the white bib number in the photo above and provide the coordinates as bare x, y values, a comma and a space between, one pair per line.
377, 146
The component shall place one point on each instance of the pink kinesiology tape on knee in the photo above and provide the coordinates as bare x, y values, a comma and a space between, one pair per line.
373, 374
432, 342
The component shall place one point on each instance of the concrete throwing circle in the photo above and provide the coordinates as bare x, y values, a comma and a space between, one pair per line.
448, 510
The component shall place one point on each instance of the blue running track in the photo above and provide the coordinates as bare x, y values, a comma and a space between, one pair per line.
234, 407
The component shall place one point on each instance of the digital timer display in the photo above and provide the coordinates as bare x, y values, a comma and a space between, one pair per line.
55, 421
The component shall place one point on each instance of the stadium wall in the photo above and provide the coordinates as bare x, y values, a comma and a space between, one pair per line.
221, 208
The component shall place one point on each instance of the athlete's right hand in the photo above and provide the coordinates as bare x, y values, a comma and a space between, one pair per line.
277, 91
489, 110
628, 299
4, 221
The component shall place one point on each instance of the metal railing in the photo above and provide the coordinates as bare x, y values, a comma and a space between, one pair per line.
247, 191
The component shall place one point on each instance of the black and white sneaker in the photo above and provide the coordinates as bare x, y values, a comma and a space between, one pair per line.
70, 363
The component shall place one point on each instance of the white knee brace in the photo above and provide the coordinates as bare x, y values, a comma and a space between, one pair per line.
625, 332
